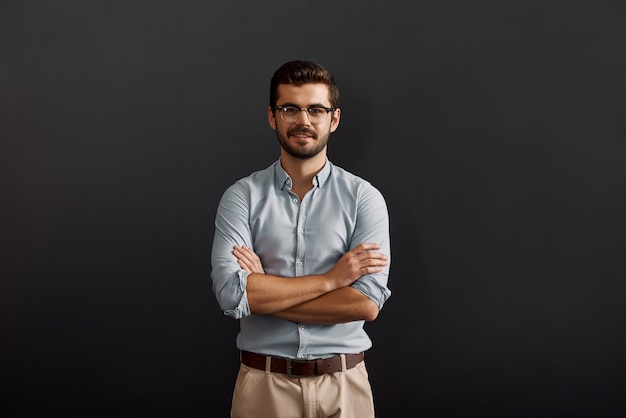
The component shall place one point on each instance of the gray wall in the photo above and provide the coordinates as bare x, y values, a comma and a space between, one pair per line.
495, 129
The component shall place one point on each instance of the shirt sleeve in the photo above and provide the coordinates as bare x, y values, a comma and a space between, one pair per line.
231, 228
372, 225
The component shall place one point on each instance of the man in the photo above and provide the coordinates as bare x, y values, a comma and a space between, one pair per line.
301, 256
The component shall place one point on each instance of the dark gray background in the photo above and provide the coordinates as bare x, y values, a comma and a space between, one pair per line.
495, 130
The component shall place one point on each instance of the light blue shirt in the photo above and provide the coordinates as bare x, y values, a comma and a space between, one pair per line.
297, 238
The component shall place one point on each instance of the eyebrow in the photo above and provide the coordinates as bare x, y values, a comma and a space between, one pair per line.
299, 107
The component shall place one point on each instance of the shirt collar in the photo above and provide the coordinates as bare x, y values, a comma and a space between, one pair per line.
284, 181
323, 174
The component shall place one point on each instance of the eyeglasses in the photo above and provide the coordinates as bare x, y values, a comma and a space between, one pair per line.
290, 114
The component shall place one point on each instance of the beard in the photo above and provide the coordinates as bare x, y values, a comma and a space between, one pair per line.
303, 152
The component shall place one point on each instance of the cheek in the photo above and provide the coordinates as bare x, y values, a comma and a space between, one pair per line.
279, 128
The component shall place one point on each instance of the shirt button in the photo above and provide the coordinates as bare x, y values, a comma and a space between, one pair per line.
301, 326
295, 200
299, 263
300, 230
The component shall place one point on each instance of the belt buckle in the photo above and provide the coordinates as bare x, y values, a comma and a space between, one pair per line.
289, 374
289, 368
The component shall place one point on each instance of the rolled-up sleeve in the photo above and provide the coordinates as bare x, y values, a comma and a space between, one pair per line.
231, 228
372, 225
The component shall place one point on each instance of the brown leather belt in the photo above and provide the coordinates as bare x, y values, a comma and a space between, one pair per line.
300, 368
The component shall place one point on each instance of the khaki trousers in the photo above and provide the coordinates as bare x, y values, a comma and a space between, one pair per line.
261, 394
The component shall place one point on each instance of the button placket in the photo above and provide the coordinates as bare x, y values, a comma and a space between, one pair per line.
303, 330
300, 241
304, 341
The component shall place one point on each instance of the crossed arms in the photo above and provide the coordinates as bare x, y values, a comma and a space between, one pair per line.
321, 299
351, 285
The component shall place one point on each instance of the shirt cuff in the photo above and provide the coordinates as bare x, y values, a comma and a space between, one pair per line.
373, 290
243, 308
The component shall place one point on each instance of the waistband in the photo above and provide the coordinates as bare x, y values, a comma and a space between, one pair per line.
301, 368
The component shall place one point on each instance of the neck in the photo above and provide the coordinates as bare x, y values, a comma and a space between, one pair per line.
302, 171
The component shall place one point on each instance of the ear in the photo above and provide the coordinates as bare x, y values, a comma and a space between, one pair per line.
334, 122
271, 117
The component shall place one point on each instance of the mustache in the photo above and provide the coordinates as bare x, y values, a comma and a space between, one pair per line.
302, 130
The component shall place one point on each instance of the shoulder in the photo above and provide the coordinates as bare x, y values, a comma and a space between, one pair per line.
357, 185
255, 180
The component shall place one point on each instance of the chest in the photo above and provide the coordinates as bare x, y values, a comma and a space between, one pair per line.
286, 230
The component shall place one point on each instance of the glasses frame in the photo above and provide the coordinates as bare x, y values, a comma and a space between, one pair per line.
307, 109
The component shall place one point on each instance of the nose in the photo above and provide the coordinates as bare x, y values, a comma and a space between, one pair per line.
303, 120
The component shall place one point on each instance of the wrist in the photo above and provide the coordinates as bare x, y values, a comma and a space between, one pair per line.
328, 283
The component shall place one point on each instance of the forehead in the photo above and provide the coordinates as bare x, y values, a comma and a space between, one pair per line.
304, 95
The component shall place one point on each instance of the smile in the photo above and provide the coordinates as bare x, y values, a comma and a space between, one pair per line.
303, 133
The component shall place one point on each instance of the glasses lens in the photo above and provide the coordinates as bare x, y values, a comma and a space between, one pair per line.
292, 113
289, 113
317, 114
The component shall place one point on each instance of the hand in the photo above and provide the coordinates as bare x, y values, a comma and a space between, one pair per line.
248, 260
357, 262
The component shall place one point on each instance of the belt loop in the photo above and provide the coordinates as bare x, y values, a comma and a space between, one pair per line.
343, 362
268, 364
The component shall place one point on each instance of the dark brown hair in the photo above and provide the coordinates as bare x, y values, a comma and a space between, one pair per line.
303, 72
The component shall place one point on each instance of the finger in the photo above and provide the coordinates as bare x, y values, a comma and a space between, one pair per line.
247, 249
370, 255
238, 254
248, 252
243, 254
378, 259
366, 246
372, 270
375, 261
251, 261
373, 254
244, 266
